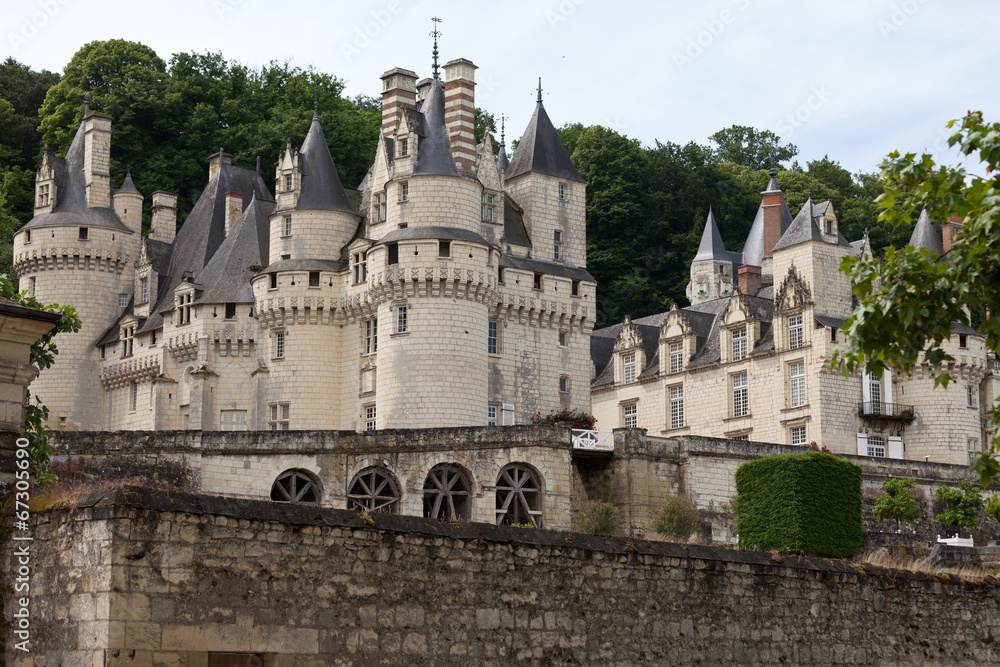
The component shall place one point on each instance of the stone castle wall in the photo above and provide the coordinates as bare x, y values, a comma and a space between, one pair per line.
135, 578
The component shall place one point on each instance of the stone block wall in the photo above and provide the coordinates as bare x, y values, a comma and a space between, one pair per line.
135, 578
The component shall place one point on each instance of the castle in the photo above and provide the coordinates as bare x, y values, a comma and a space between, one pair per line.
449, 289
747, 360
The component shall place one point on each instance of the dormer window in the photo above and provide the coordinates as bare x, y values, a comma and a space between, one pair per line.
288, 182
360, 267
739, 344
184, 308
628, 368
489, 211
403, 148
829, 226
143, 290
676, 357
380, 207
128, 339
794, 332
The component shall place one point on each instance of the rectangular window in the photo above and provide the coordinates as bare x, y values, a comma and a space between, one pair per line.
875, 392
876, 446
794, 332
538, 281
401, 319
556, 244
230, 311
739, 344
393, 253
274, 281
973, 446
31, 286
380, 203
500, 274
799, 435
508, 414
628, 368
279, 345
143, 290
562, 191
491, 415
963, 340
741, 395
370, 418
493, 337
371, 336
288, 225
233, 420
278, 414
84, 233
404, 147
676, 357
677, 406
576, 288
404, 191
562, 338
444, 248
288, 182
630, 416
27, 236
128, 339
797, 384
564, 384
133, 400
122, 300
970, 392
314, 279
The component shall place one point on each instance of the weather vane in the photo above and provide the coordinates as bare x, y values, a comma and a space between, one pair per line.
435, 34
502, 119
539, 89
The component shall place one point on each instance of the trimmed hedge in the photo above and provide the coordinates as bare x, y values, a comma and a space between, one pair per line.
809, 503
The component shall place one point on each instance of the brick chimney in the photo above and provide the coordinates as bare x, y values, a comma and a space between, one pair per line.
773, 202
459, 110
399, 90
234, 209
164, 223
749, 279
951, 228
97, 159
216, 160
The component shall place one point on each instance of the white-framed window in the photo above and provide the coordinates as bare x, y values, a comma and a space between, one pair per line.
564, 383
360, 260
128, 340
31, 286
876, 446
507, 414
401, 322
288, 182
404, 147
287, 225
798, 434
556, 244
133, 399
562, 191
628, 368
676, 357
973, 447
380, 207
491, 415
794, 332
739, 344
43, 199
563, 339
741, 395
279, 344
184, 309
630, 415
122, 300
233, 420
970, 393
371, 336
489, 210
493, 337
278, 414
370, 417
677, 406
143, 290
404, 191
797, 384
874, 391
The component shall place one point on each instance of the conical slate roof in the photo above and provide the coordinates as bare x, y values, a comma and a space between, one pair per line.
772, 184
433, 147
927, 234
502, 162
711, 246
321, 186
802, 229
226, 277
753, 247
128, 186
540, 150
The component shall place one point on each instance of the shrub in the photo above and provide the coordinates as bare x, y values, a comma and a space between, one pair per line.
993, 506
964, 505
600, 519
809, 502
578, 418
897, 503
677, 516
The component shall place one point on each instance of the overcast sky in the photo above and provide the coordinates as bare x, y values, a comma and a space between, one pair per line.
851, 79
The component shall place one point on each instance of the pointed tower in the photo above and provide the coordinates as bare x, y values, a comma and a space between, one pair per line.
771, 221
712, 268
543, 180
927, 234
128, 204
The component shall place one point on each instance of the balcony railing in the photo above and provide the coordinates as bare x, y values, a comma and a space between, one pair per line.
593, 441
881, 410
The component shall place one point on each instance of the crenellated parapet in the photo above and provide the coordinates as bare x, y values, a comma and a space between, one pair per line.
289, 310
544, 313
136, 369
398, 282
183, 346
108, 259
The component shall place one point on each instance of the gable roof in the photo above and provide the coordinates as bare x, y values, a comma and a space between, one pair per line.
802, 229
321, 186
542, 151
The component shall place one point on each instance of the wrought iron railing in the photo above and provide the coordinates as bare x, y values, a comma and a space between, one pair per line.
886, 410
593, 441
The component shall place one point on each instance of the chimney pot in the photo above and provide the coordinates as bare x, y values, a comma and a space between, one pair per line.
749, 279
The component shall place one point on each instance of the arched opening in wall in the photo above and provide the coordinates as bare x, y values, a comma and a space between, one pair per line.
446, 493
296, 486
519, 496
374, 490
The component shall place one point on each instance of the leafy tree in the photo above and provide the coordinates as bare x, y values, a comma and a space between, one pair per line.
964, 506
25, 90
677, 516
909, 299
751, 147
43, 353
897, 504
993, 506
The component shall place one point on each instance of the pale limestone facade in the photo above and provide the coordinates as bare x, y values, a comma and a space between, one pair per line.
753, 365
445, 291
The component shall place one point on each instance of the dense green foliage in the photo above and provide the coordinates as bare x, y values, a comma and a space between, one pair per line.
599, 519
910, 299
807, 503
896, 504
963, 506
993, 506
677, 516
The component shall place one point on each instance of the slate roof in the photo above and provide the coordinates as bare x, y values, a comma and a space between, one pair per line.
753, 248
128, 186
514, 231
927, 234
540, 150
802, 229
502, 161
332, 265
71, 207
226, 277
321, 186
433, 232
602, 351
433, 147
158, 253
711, 246
830, 321
547, 268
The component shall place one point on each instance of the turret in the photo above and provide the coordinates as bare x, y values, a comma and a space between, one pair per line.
164, 225
771, 221
712, 268
128, 204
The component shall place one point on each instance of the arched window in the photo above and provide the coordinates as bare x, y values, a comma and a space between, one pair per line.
446, 494
876, 446
296, 486
374, 490
519, 496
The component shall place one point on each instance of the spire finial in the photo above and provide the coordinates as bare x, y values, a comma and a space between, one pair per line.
86, 105
258, 165
502, 128
539, 89
316, 102
435, 34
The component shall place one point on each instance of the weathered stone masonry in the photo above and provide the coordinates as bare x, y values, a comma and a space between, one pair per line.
137, 578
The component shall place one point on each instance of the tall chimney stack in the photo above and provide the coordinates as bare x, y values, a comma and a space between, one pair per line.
750, 280
97, 159
951, 228
399, 90
773, 201
234, 209
164, 223
216, 160
459, 110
